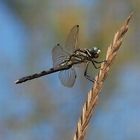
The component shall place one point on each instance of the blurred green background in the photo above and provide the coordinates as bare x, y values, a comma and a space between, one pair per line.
43, 109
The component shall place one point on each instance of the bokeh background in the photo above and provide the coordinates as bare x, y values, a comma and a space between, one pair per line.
43, 109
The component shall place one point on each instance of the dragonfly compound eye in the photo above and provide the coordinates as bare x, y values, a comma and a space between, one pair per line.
95, 52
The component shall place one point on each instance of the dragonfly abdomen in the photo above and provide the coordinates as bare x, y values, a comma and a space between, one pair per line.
37, 75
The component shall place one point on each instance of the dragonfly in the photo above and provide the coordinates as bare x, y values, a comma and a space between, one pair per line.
66, 58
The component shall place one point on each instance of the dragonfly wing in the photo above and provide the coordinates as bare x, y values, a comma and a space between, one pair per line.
67, 77
72, 39
58, 55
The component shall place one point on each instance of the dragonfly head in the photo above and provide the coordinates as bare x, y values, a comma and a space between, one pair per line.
94, 52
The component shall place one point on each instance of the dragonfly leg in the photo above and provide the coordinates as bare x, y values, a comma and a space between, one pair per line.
86, 75
96, 67
98, 62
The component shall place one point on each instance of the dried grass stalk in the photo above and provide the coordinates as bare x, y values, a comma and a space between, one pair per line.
91, 102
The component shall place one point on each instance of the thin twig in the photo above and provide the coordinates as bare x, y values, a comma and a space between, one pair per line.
91, 102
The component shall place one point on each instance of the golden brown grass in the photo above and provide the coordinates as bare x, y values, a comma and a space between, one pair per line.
92, 98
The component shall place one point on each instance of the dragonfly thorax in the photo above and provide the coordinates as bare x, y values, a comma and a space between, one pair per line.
94, 52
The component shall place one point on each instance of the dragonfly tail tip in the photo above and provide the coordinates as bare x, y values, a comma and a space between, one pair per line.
17, 82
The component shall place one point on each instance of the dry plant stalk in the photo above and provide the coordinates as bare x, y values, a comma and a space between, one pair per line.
91, 102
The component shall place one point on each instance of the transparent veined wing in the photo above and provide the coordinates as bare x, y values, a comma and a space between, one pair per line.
58, 55
72, 39
67, 77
